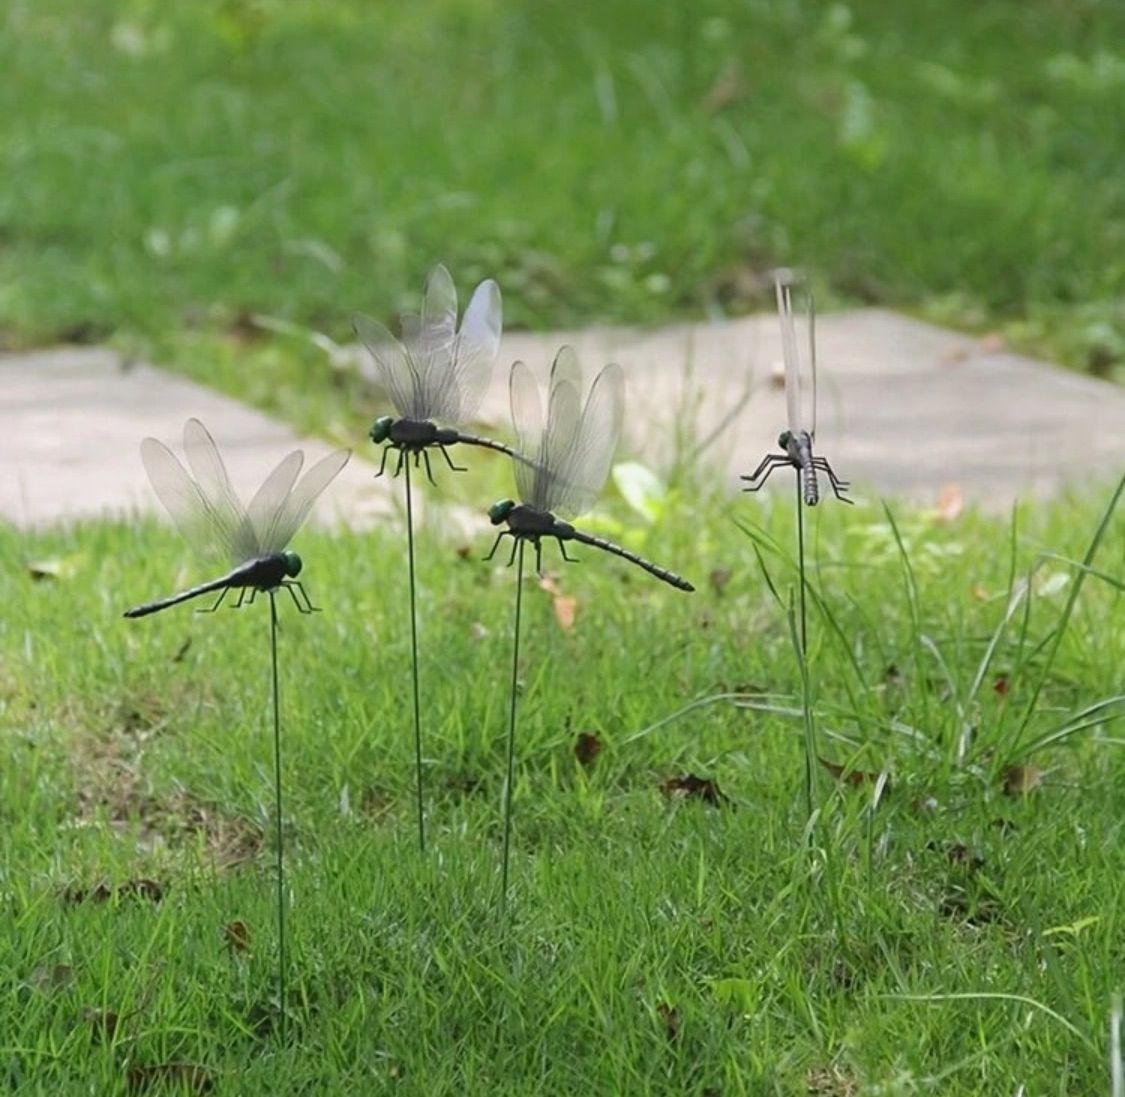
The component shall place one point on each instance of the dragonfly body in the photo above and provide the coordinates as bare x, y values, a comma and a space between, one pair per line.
417, 436
563, 460
253, 538
796, 443
437, 372
262, 574
529, 524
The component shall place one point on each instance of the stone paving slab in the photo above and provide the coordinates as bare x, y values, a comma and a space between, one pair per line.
71, 422
905, 409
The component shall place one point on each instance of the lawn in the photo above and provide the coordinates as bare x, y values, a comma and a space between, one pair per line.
950, 922
169, 172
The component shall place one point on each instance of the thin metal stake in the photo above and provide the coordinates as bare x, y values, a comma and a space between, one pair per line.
512, 725
281, 959
802, 657
414, 661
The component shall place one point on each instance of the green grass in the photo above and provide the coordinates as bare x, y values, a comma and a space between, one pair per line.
949, 938
169, 170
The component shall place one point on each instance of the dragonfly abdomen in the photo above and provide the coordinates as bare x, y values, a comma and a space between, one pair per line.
670, 577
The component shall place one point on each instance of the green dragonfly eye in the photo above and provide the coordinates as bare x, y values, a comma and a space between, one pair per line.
293, 565
499, 512
381, 429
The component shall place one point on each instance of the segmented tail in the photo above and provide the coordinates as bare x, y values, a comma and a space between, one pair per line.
810, 485
175, 599
669, 577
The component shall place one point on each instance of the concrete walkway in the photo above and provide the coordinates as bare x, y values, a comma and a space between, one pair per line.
905, 409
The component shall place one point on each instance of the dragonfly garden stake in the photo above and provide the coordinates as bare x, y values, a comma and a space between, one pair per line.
254, 540
796, 444
435, 373
564, 463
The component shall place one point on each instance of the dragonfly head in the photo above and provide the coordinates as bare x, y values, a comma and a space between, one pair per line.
381, 429
783, 439
499, 512
292, 564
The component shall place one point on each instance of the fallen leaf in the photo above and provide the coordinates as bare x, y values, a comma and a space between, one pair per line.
691, 787
951, 502
564, 605
587, 747
1019, 780
993, 343
237, 935
958, 854
464, 552
184, 648
955, 356
44, 569
670, 1018
854, 777
719, 578
1000, 686
103, 891
103, 1023
980, 593
51, 976
830, 1081
189, 1076
893, 676
727, 89
478, 631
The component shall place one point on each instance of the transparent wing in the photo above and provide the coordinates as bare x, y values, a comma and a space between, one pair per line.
580, 472
527, 423
564, 411
812, 360
397, 369
458, 383
783, 280
182, 499
269, 503
297, 502
211, 479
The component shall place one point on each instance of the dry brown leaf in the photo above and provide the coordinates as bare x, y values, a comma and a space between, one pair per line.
980, 593
587, 747
1000, 686
690, 787
993, 343
566, 611
719, 578
51, 976
237, 935
102, 892
189, 1077
951, 502
726, 89
103, 1023
1019, 780
854, 777
670, 1018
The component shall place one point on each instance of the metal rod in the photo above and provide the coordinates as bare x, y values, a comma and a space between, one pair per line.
414, 661
802, 657
512, 725
281, 959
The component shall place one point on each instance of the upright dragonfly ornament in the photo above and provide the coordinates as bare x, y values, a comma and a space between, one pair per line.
434, 373
253, 540
797, 446
561, 467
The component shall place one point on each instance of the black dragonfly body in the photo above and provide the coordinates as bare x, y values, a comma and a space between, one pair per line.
565, 460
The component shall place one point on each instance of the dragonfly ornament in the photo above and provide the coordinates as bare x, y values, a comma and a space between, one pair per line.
796, 443
565, 460
436, 373
253, 539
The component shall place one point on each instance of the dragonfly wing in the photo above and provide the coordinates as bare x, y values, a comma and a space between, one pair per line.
527, 423
789, 350
429, 341
812, 360
564, 413
228, 515
582, 473
181, 498
297, 502
270, 499
396, 367
472, 355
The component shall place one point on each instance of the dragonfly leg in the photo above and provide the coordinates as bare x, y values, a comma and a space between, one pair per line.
242, 597
839, 487
423, 455
218, 602
383, 462
562, 549
449, 460
496, 544
761, 474
294, 586
515, 545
